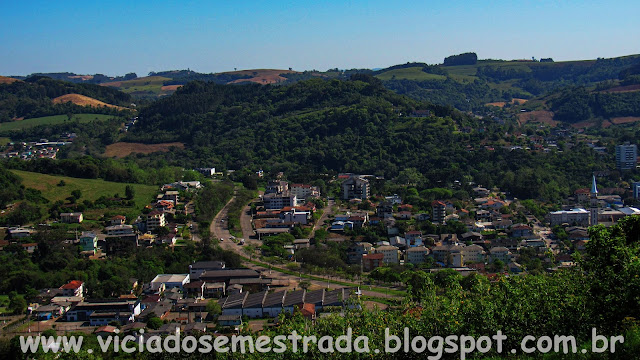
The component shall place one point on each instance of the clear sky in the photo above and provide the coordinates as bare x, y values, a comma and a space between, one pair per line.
115, 37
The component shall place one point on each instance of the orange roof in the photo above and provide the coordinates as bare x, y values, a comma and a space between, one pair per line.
72, 285
118, 217
308, 309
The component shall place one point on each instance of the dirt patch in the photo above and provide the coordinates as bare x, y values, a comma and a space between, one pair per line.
503, 103
7, 80
606, 124
170, 87
122, 149
584, 124
262, 76
83, 77
625, 120
627, 88
83, 101
541, 116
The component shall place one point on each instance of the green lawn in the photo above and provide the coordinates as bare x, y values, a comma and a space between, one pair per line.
412, 73
91, 189
51, 120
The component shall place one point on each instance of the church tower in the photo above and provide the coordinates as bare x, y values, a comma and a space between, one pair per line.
594, 202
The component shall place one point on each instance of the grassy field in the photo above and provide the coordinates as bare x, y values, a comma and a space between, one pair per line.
412, 73
152, 84
51, 120
91, 189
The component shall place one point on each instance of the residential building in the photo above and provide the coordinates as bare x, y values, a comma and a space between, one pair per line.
73, 288
277, 201
71, 218
206, 171
416, 255
626, 156
635, 188
295, 216
439, 212
372, 261
521, 230
500, 253
88, 242
413, 238
105, 311
169, 281
155, 220
20, 232
473, 254
120, 230
303, 191
171, 195
356, 187
357, 250
391, 254
118, 220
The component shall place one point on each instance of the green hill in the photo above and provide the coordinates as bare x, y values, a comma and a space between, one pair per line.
51, 120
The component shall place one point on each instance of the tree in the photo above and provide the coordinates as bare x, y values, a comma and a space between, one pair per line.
304, 284
154, 323
129, 192
213, 308
17, 303
77, 194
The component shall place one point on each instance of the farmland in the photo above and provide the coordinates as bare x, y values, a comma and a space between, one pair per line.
412, 73
51, 120
122, 149
261, 76
150, 85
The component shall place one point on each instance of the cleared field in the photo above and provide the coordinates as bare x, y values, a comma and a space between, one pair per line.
51, 120
83, 101
261, 76
503, 103
91, 189
170, 87
412, 73
627, 88
122, 149
7, 80
141, 86
625, 120
541, 116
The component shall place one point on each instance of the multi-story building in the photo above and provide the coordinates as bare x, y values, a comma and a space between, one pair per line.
439, 212
356, 187
155, 220
71, 218
500, 253
416, 255
626, 156
579, 217
274, 201
303, 191
391, 254
473, 254
372, 261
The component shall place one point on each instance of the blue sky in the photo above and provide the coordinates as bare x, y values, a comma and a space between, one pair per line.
115, 37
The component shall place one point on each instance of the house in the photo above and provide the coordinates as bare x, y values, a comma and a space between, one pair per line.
403, 215
521, 230
88, 242
355, 187
232, 305
499, 253
206, 171
194, 289
385, 210
172, 196
296, 217
71, 218
169, 281
301, 243
372, 261
416, 255
73, 288
120, 230
198, 268
155, 220
215, 289
118, 220
164, 205
48, 312
471, 236
413, 238
357, 250
29, 247
391, 254
20, 232
439, 212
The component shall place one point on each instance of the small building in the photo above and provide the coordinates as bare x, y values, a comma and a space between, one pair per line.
71, 218
118, 220
372, 261
88, 242
73, 288
229, 320
169, 281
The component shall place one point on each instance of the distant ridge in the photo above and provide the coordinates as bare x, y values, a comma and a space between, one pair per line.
82, 100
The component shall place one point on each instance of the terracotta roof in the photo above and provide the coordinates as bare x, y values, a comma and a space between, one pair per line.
72, 285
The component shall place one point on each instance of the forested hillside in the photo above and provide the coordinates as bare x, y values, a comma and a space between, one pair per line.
33, 98
319, 126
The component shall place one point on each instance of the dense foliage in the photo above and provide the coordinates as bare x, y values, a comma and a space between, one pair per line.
469, 58
32, 98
